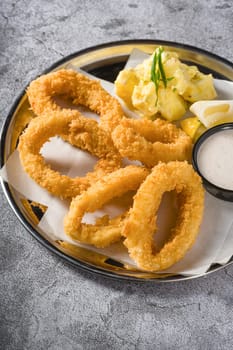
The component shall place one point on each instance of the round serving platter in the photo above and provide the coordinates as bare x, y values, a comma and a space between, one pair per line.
103, 61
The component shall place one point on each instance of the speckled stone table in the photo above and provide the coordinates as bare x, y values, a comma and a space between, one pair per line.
44, 302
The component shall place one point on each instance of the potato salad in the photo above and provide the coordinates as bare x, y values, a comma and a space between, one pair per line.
163, 86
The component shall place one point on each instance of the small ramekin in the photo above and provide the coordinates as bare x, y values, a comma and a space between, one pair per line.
213, 189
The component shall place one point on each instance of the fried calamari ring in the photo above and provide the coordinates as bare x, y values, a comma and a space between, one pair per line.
79, 90
112, 185
82, 132
141, 224
151, 141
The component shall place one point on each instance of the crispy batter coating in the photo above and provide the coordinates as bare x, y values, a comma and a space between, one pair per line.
140, 225
79, 131
77, 89
151, 141
113, 185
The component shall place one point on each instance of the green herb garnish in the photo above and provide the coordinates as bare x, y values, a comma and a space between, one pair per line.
157, 71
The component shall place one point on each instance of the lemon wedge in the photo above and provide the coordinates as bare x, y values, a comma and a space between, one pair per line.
199, 132
212, 113
190, 126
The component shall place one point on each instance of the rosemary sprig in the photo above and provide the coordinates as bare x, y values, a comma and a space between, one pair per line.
157, 71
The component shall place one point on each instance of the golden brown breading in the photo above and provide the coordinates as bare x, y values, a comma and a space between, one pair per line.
79, 90
79, 131
151, 141
140, 226
110, 186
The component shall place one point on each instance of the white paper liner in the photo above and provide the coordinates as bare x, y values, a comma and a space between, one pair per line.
215, 240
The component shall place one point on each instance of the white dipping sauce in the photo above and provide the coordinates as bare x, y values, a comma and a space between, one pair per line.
215, 159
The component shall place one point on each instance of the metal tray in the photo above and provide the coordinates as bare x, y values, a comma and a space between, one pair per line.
104, 61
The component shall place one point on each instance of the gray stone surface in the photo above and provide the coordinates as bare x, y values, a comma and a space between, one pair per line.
44, 302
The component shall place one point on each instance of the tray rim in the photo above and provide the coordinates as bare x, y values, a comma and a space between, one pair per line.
26, 224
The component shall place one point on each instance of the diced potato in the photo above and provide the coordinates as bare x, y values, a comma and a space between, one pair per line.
191, 70
171, 64
178, 84
143, 70
144, 99
170, 104
182, 80
200, 88
124, 85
